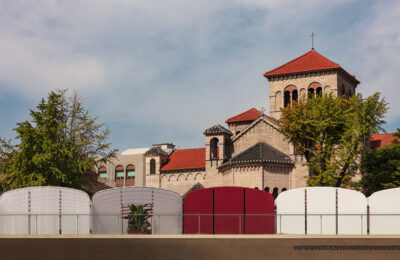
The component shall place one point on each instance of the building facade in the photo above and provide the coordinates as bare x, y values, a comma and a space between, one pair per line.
251, 151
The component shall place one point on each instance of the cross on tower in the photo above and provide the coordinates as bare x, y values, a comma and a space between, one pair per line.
312, 40
262, 110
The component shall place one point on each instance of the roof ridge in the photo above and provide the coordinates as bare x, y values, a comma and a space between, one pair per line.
243, 113
180, 149
300, 57
288, 62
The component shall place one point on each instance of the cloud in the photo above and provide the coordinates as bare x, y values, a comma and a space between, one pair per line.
167, 70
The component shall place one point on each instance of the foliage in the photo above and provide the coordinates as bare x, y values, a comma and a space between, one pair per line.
331, 132
138, 218
57, 147
381, 168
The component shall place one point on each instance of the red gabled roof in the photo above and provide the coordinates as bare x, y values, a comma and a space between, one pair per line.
184, 159
249, 115
381, 140
310, 61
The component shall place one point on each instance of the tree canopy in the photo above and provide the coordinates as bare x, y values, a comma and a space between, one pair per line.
331, 133
57, 147
381, 167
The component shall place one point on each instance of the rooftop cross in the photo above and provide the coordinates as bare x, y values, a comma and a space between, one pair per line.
262, 110
312, 40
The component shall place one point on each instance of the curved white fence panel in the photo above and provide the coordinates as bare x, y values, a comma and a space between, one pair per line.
107, 209
352, 212
45, 210
290, 210
321, 210
384, 210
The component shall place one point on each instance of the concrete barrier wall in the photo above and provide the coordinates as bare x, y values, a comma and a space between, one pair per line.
200, 247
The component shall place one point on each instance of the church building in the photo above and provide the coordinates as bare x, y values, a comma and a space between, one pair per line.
250, 151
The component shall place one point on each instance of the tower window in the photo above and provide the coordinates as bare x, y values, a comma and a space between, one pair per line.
214, 148
152, 166
290, 94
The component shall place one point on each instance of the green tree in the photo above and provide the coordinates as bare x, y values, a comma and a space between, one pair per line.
381, 168
58, 147
331, 132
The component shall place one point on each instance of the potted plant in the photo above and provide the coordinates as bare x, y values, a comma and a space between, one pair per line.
138, 219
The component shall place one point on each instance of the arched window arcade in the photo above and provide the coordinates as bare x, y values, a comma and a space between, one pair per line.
290, 94
314, 89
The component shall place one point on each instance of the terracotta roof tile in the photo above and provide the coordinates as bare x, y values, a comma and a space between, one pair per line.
310, 61
249, 115
185, 159
381, 140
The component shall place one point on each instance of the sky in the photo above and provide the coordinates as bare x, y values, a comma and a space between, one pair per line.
160, 71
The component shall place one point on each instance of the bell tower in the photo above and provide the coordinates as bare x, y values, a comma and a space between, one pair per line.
309, 75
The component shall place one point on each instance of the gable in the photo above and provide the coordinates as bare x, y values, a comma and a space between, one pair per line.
261, 130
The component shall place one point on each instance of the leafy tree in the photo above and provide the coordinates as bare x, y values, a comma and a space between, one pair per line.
381, 168
57, 147
331, 133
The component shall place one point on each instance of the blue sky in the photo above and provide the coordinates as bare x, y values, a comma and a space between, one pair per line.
164, 71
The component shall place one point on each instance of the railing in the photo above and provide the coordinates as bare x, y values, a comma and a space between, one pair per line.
108, 223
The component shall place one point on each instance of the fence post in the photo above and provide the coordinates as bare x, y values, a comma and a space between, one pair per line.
320, 222
77, 224
199, 224
240, 224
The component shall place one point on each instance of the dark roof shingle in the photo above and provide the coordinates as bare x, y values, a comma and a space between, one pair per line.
217, 129
260, 153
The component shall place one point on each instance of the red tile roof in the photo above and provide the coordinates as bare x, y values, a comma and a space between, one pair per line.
381, 140
249, 115
310, 61
184, 159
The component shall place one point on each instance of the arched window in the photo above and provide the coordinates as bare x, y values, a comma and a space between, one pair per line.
295, 95
119, 172
256, 188
228, 148
284, 189
319, 92
314, 89
130, 171
290, 94
343, 90
266, 189
275, 192
214, 148
103, 173
152, 166
310, 93
287, 98
278, 100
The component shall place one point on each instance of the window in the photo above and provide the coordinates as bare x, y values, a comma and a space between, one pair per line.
284, 189
130, 171
319, 92
214, 148
152, 166
266, 189
314, 89
275, 192
119, 172
103, 173
290, 94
